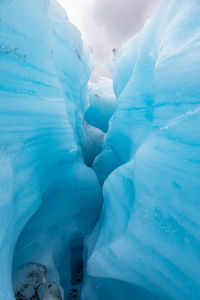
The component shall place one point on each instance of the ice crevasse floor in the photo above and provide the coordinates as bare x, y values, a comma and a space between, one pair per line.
101, 188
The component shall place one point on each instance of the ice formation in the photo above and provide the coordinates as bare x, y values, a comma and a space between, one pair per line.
148, 234
102, 102
49, 199
146, 243
101, 105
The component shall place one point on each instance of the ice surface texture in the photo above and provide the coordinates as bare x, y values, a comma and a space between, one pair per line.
101, 103
101, 106
148, 234
146, 244
48, 195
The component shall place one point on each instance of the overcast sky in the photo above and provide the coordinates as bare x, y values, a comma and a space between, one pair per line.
106, 24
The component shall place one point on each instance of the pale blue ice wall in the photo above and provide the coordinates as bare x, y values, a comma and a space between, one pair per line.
149, 228
43, 76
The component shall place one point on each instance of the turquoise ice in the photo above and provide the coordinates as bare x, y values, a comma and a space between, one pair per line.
107, 182
148, 233
49, 198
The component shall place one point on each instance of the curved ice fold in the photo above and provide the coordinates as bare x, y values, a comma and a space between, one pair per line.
148, 233
92, 143
102, 103
48, 196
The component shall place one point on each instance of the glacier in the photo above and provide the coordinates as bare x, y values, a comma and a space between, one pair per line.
99, 181
148, 234
50, 200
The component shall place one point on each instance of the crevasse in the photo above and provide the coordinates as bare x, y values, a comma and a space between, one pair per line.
144, 242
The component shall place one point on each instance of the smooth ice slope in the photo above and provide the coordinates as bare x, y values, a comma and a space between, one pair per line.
148, 235
48, 196
92, 143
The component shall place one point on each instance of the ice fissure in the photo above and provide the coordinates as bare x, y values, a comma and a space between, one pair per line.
101, 195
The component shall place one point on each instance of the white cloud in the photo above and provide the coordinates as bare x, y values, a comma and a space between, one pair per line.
106, 24
74, 9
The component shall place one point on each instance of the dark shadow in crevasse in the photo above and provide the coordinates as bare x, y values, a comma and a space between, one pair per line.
76, 269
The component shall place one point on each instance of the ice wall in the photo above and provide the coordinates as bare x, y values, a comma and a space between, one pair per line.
148, 235
146, 243
48, 196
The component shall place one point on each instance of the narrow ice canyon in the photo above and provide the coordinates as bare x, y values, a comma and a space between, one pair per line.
99, 182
